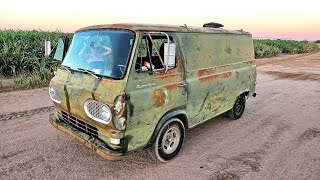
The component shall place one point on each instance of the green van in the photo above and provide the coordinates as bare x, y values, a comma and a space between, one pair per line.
124, 87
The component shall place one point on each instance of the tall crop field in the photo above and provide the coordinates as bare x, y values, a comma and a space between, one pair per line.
23, 51
270, 48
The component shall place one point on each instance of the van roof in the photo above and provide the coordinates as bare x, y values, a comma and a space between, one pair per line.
163, 27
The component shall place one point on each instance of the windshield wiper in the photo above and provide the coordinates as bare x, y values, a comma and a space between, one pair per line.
67, 68
90, 72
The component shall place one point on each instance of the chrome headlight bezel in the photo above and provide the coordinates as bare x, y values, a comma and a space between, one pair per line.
55, 95
98, 111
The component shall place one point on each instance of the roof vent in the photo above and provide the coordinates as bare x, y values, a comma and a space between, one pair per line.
213, 25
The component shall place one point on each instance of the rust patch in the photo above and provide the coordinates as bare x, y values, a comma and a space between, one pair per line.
169, 74
104, 82
171, 86
225, 75
159, 98
209, 71
180, 65
97, 95
249, 62
124, 26
204, 72
224, 67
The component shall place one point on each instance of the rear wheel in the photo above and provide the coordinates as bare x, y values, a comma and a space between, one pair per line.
169, 140
238, 108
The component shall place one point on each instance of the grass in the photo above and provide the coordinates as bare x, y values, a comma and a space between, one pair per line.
271, 48
22, 56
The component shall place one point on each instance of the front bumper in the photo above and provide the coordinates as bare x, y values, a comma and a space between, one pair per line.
85, 139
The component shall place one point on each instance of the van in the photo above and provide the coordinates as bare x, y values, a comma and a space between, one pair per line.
125, 87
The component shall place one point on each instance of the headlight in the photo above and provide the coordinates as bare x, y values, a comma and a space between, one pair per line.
119, 105
54, 94
97, 111
119, 121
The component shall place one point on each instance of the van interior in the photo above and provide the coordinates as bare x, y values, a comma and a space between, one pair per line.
151, 51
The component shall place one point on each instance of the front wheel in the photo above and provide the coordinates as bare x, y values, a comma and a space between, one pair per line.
238, 108
169, 140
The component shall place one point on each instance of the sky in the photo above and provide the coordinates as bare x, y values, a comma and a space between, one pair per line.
284, 19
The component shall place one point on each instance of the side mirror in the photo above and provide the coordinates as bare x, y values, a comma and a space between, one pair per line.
47, 48
58, 55
169, 55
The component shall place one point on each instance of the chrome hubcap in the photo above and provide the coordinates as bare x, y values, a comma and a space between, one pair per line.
171, 139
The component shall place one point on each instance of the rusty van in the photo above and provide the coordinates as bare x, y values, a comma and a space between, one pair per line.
124, 87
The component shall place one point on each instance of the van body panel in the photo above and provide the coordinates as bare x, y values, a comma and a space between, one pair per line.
219, 68
76, 88
152, 96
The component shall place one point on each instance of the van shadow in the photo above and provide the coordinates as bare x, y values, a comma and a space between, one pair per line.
209, 128
193, 136
141, 159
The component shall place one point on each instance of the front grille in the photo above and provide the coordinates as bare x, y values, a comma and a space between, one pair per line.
80, 125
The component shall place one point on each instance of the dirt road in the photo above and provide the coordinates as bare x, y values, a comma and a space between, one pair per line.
277, 138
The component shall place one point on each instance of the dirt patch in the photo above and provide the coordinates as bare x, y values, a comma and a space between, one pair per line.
11, 154
239, 166
250, 159
282, 58
224, 175
310, 134
295, 76
29, 113
6, 84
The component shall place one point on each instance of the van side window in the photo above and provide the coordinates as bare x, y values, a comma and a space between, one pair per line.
151, 53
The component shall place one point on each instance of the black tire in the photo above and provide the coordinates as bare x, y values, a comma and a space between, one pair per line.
169, 140
238, 108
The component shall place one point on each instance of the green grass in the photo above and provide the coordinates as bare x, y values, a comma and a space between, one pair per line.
23, 51
271, 48
22, 56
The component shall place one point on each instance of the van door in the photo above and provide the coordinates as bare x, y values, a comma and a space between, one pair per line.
209, 75
152, 94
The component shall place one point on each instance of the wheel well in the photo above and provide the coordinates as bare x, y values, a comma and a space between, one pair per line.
245, 93
183, 118
180, 116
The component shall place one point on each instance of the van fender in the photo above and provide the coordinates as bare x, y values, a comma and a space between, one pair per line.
176, 112
246, 92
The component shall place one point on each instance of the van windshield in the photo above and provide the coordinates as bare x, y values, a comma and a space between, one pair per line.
103, 52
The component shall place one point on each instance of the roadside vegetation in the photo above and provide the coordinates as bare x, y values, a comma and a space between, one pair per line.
22, 55
271, 48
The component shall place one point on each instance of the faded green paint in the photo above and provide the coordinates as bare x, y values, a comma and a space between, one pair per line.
145, 115
217, 65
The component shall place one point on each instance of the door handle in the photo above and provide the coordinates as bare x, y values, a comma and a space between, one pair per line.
183, 84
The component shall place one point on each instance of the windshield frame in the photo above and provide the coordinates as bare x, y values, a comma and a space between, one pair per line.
129, 54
